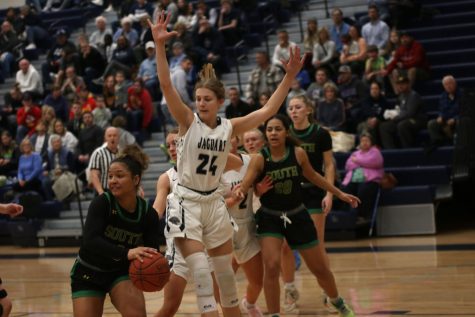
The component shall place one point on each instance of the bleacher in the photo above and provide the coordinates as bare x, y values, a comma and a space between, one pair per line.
422, 178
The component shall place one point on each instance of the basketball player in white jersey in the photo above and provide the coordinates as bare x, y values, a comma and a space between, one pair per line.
197, 217
175, 288
246, 248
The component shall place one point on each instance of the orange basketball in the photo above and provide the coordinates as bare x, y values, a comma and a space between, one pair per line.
151, 275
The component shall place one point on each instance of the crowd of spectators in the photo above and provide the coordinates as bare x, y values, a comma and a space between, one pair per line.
362, 77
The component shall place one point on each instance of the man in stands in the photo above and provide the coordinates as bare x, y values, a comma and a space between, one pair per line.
406, 120
28, 79
352, 91
409, 60
97, 37
101, 159
55, 55
281, 50
90, 137
375, 32
263, 79
442, 128
148, 71
338, 28
237, 107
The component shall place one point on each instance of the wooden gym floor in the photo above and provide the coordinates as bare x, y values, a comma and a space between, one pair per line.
404, 276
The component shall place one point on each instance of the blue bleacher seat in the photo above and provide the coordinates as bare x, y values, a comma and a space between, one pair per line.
407, 195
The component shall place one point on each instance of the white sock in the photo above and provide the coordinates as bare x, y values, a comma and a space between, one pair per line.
289, 285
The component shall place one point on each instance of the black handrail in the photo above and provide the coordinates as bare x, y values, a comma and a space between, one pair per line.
78, 196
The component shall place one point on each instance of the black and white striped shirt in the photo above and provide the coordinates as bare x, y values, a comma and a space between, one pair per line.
100, 160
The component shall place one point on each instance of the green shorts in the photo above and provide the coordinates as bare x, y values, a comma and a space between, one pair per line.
300, 233
87, 282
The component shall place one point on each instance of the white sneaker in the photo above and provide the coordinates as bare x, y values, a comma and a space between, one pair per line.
252, 312
326, 303
290, 299
30, 46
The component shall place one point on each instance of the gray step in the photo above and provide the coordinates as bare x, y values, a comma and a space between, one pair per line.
56, 233
75, 206
62, 224
73, 214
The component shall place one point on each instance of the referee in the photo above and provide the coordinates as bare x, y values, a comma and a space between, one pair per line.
101, 159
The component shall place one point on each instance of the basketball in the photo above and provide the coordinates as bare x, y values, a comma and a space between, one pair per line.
151, 275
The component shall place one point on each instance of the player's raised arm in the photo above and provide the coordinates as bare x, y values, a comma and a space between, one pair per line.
180, 112
254, 119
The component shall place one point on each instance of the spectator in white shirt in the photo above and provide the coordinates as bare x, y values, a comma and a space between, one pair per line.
97, 37
29, 79
281, 50
375, 32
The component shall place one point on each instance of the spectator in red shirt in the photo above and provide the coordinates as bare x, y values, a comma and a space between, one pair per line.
139, 106
86, 99
27, 117
410, 58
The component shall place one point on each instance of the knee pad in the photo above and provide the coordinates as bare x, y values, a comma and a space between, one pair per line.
198, 265
1, 310
223, 271
3, 294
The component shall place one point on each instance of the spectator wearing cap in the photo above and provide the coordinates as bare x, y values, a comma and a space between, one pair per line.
374, 66
59, 103
352, 91
282, 48
128, 31
296, 89
91, 63
237, 107
27, 118
338, 28
28, 79
148, 71
375, 32
97, 37
442, 128
55, 55
331, 110
406, 120
409, 60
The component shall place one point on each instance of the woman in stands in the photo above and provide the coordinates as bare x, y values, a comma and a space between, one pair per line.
104, 257
316, 141
354, 50
283, 214
29, 169
364, 171
203, 147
